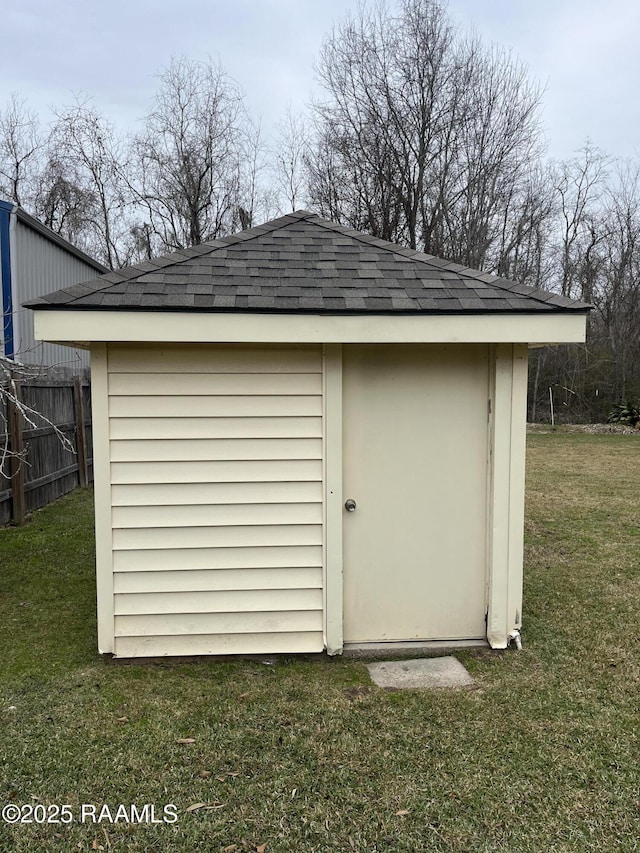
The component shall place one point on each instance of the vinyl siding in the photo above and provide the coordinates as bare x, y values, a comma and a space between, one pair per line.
216, 499
213, 644
285, 556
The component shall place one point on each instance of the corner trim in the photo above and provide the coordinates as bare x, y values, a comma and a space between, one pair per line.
332, 464
102, 497
6, 285
505, 522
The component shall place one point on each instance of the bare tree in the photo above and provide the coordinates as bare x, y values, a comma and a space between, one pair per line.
255, 198
188, 158
523, 250
596, 257
580, 183
618, 298
83, 194
20, 148
498, 149
574, 254
288, 155
424, 137
368, 166
64, 203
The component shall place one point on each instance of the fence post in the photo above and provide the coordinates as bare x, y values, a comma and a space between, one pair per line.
81, 443
16, 459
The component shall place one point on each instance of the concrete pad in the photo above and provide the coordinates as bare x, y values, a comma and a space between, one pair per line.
421, 673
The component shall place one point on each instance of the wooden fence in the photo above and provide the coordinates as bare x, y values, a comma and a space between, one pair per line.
41, 468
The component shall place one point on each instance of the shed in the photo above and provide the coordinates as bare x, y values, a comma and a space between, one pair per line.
34, 259
250, 391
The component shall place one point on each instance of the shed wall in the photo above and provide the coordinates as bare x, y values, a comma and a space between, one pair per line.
216, 499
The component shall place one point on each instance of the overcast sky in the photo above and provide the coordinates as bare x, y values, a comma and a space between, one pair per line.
585, 53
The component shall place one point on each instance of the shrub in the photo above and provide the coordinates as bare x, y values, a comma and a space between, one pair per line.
625, 413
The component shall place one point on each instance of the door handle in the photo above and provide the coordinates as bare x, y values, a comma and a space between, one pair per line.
350, 505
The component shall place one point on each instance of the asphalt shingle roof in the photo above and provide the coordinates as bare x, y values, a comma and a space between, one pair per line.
302, 263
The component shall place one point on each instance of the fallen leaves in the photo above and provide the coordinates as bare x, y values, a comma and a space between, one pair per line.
96, 843
232, 774
194, 807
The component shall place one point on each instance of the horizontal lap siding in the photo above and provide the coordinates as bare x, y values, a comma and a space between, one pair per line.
249, 643
195, 406
214, 515
218, 601
169, 624
236, 428
216, 558
204, 580
234, 535
213, 449
176, 494
216, 472
215, 384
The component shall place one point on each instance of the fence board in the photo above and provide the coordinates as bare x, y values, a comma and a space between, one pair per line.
81, 436
15, 426
5, 482
49, 468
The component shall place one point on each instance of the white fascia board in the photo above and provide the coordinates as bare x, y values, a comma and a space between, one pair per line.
185, 327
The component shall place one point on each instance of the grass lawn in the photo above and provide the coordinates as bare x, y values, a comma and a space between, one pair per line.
306, 755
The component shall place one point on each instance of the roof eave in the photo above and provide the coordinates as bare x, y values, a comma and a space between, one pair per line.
536, 310
66, 326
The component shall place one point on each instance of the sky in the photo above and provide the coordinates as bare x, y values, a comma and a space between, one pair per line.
583, 52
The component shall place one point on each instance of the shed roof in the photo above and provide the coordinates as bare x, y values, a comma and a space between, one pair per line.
301, 263
37, 226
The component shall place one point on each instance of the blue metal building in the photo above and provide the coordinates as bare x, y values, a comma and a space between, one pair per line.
33, 261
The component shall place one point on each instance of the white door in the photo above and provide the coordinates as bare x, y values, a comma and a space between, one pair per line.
415, 432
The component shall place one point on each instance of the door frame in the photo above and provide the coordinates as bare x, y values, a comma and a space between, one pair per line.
506, 410
332, 478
